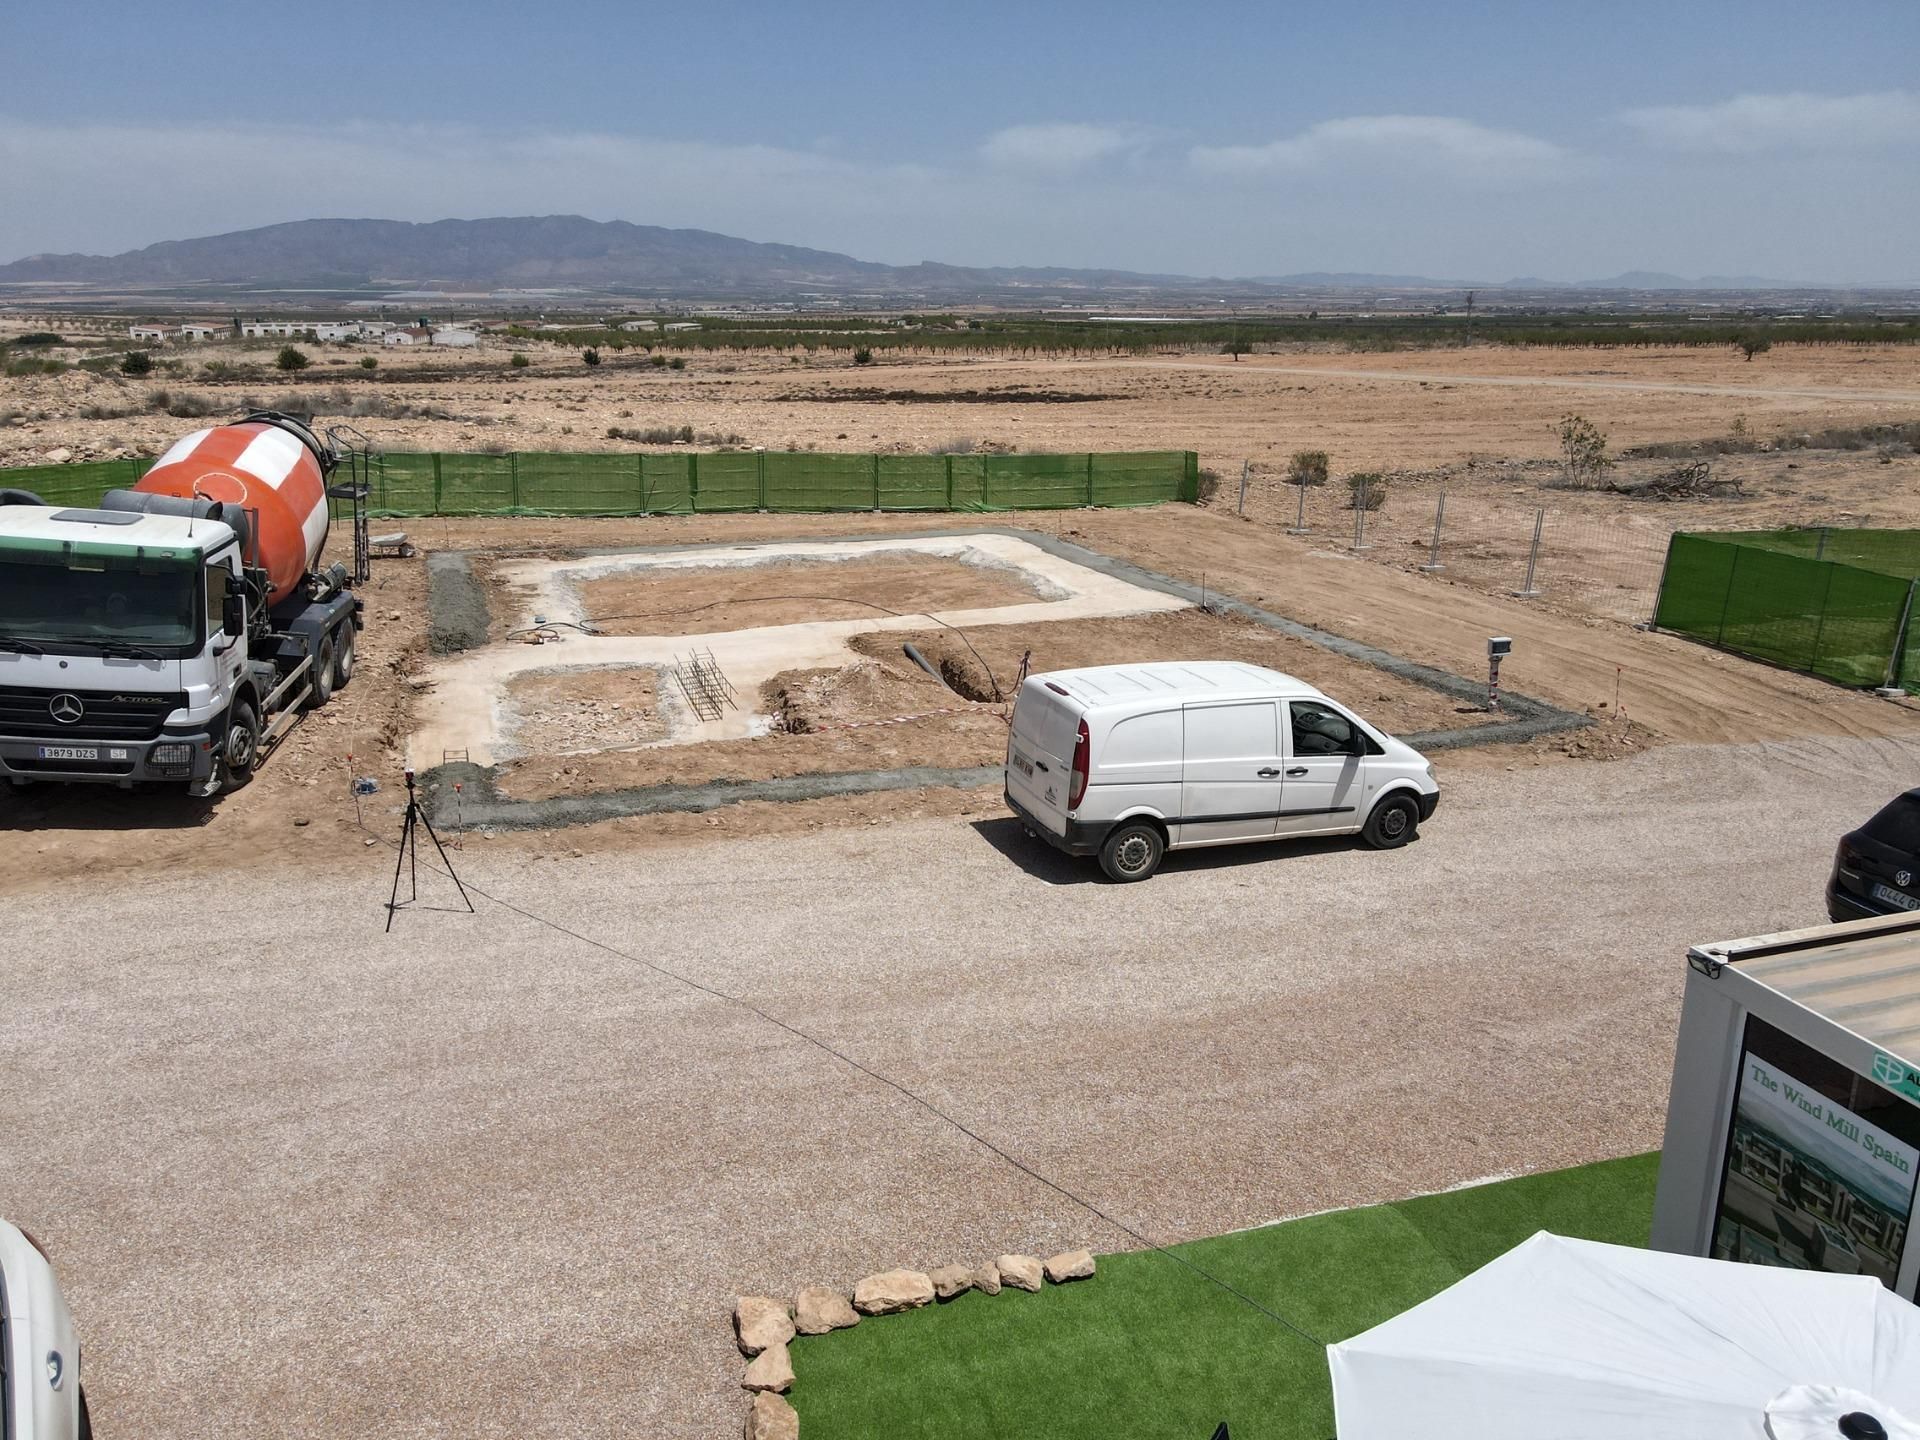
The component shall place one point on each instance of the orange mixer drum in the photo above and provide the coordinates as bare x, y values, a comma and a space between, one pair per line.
268, 472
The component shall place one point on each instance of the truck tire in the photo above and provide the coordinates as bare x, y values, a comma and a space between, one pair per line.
241, 750
326, 662
1132, 851
343, 657
1394, 821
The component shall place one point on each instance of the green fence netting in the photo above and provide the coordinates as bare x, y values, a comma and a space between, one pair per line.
1832, 603
528, 483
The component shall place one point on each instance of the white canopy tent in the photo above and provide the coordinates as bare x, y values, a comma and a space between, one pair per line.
1568, 1339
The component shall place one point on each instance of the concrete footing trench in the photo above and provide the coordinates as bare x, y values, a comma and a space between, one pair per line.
469, 725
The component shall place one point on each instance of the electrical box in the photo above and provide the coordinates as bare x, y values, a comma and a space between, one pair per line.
1498, 646
1793, 1123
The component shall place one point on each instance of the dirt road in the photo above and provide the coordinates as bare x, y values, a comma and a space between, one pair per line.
481, 1178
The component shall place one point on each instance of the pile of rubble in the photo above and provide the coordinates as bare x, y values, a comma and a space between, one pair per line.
763, 1327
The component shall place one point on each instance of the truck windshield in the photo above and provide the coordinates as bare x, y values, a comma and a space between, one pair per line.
52, 605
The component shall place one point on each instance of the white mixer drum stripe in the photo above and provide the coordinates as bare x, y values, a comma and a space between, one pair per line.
182, 447
314, 527
271, 456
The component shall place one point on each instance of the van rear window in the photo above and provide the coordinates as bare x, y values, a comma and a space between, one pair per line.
1898, 825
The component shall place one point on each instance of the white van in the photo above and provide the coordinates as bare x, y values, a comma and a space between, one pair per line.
1129, 761
39, 1354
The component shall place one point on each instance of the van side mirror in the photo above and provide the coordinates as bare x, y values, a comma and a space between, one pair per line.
233, 615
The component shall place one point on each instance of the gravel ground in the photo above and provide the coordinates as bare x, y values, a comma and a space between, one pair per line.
479, 1178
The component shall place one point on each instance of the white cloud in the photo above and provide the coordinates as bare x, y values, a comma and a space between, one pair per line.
1751, 124
1060, 149
1426, 142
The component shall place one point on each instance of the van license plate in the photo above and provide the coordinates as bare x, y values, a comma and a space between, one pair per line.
1022, 764
1894, 897
69, 752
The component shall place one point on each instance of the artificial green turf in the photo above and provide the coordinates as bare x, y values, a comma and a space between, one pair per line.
1148, 1348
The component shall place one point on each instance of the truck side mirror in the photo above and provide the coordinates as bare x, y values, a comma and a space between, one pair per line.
233, 615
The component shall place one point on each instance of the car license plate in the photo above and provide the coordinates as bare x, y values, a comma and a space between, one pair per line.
1895, 897
1022, 764
69, 752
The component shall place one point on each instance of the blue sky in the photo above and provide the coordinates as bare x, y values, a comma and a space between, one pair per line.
1478, 141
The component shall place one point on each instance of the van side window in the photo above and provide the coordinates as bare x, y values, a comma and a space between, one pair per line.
1232, 732
217, 578
1319, 731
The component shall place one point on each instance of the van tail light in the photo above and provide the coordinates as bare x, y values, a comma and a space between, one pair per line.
1077, 790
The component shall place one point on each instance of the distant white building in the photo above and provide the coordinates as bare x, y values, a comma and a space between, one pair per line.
338, 330
413, 335
273, 329
452, 335
640, 325
146, 332
682, 325
201, 330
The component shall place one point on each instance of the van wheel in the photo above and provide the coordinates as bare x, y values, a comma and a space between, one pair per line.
1132, 852
325, 665
1392, 824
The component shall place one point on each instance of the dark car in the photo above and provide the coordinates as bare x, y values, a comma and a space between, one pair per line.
1877, 868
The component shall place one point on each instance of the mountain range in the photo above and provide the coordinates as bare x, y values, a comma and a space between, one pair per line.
569, 251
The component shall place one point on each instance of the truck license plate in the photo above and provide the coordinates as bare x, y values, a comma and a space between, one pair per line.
69, 752
1894, 897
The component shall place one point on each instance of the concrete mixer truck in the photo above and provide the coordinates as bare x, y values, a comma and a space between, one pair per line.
176, 630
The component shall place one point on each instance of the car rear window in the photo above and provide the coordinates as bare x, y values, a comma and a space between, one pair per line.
1898, 825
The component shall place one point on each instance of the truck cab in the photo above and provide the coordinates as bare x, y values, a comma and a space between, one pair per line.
171, 636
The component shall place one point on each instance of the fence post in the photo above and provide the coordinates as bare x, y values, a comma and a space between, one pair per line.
949, 482
1526, 590
1895, 669
1246, 472
760, 479
1360, 517
513, 481
693, 482
1439, 519
876, 480
1820, 548
1820, 623
640, 481
439, 507
1300, 513
1727, 599
1089, 479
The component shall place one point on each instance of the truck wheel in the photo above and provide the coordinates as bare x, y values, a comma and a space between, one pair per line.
325, 663
1392, 824
1132, 852
343, 657
242, 749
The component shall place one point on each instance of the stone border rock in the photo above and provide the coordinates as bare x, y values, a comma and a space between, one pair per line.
764, 1327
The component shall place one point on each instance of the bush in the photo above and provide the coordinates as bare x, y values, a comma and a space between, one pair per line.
1209, 481
678, 362
1752, 345
35, 338
180, 404
1307, 467
367, 362
659, 362
590, 356
291, 358
216, 369
1368, 483
519, 361
1584, 461
136, 362
863, 356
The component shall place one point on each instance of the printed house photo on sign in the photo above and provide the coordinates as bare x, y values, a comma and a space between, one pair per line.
1813, 1179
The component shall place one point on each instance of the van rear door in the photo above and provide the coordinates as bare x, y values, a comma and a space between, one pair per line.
1040, 751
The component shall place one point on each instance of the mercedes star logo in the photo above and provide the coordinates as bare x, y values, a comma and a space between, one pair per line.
66, 708
1903, 878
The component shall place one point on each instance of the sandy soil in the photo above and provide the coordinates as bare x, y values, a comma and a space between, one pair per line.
563, 711
694, 602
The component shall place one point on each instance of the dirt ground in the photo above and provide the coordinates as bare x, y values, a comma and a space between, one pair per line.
1476, 423
563, 711
734, 597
